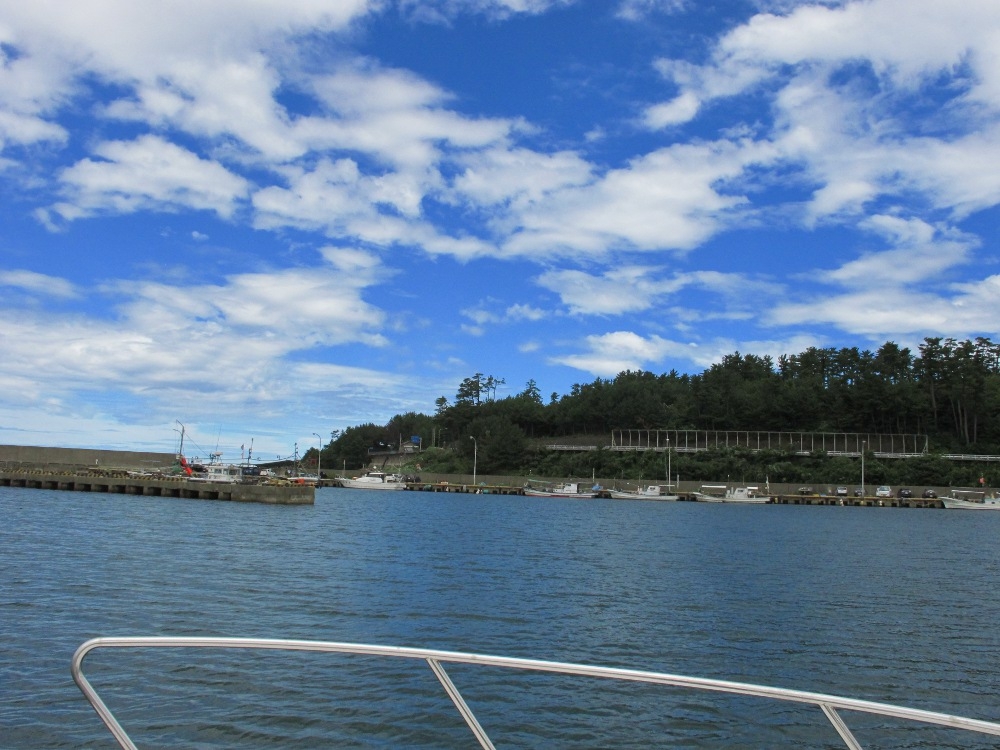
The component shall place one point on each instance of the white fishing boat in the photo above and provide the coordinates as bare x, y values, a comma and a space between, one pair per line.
745, 495
830, 705
970, 500
215, 470
567, 489
650, 492
373, 480
721, 493
711, 493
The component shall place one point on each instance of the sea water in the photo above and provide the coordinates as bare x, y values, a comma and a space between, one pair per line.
884, 604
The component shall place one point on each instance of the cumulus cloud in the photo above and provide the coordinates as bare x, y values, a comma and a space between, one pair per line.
901, 291
671, 198
518, 177
197, 62
620, 290
147, 173
610, 353
197, 343
847, 96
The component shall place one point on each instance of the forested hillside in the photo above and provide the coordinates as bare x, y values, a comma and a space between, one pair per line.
949, 391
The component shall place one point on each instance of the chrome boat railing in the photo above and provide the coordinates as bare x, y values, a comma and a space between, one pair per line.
829, 704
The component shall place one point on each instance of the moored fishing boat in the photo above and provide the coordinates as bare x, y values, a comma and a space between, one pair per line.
745, 495
373, 480
567, 489
650, 492
216, 471
711, 493
721, 493
970, 500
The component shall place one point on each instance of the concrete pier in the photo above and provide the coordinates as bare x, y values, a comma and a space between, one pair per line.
275, 494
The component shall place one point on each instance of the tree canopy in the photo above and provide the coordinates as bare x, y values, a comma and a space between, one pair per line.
949, 390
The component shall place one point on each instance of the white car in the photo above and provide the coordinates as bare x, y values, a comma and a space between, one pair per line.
883, 491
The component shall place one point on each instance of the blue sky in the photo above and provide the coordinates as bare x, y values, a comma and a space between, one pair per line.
276, 218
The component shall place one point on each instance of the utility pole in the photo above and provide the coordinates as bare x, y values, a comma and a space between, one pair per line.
863, 468
475, 457
319, 461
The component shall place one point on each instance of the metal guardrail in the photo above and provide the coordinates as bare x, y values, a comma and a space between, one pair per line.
703, 449
829, 704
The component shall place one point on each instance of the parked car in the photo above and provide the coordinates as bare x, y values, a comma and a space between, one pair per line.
805, 490
859, 492
883, 491
904, 492
841, 492
929, 493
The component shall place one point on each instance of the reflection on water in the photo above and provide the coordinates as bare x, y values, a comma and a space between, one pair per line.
891, 605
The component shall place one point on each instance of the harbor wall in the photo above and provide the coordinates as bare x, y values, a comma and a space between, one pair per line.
283, 494
12, 456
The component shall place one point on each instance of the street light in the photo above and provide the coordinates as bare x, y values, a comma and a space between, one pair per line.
862, 468
319, 460
475, 458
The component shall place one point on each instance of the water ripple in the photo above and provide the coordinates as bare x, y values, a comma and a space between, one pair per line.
894, 605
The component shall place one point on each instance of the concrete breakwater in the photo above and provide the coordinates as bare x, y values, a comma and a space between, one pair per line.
276, 494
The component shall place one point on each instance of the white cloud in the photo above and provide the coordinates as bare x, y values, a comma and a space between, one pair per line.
851, 86
40, 284
920, 253
629, 289
336, 198
926, 37
148, 173
675, 112
637, 10
442, 11
393, 116
199, 62
879, 313
211, 99
618, 291
525, 312
669, 199
518, 176
481, 316
610, 353
219, 349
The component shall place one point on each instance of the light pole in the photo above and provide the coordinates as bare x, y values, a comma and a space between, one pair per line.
475, 458
668, 464
319, 460
862, 468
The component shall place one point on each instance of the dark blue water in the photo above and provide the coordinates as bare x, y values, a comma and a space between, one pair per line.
884, 604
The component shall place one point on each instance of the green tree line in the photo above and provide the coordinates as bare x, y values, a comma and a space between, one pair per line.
948, 390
